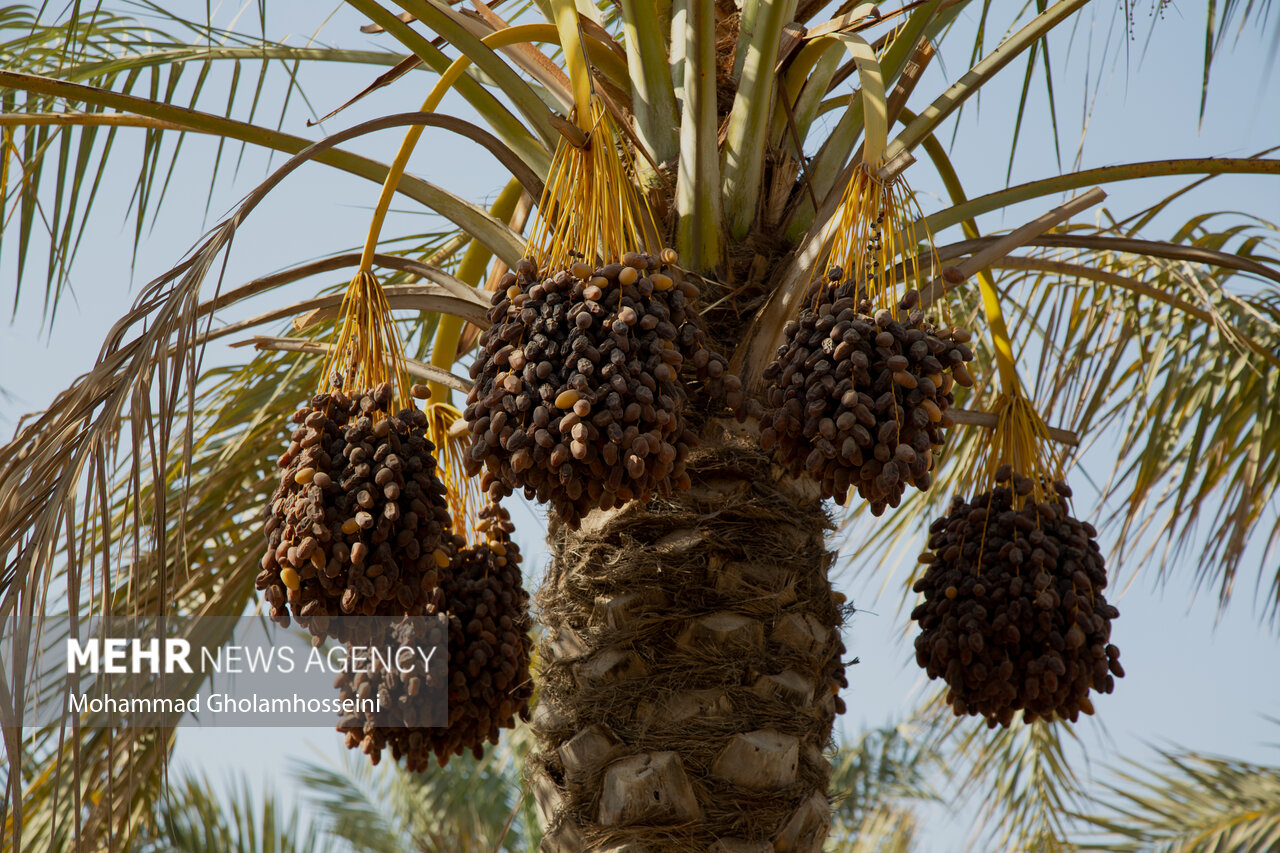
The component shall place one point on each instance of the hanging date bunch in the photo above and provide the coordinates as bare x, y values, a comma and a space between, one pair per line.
1013, 615
860, 389
359, 525
595, 350
485, 619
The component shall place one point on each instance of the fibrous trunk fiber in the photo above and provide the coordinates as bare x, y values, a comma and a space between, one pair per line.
690, 665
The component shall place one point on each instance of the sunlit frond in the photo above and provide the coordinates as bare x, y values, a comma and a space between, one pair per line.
200, 586
883, 830
193, 816
875, 781
1105, 327
1019, 780
1195, 395
877, 768
1190, 803
470, 806
57, 169
127, 539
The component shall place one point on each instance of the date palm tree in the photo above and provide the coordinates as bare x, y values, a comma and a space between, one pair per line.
136, 494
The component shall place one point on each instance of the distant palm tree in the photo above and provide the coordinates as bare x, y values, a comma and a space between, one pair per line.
471, 806
193, 816
137, 492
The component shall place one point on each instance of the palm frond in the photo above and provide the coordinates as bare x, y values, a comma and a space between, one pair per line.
1191, 803
876, 781
1207, 445
535, 150
1019, 778
192, 816
880, 768
882, 830
61, 166
356, 802
697, 197
201, 589
496, 235
470, 806
1105, 319
653, 93
746, 135
76, 519
1224, 24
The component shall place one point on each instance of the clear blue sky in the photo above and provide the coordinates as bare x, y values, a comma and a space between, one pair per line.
1193, 678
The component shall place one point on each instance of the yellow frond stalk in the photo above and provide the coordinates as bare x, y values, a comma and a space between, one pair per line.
1021, 441
462, 492
876, 226
590, 207
367, 350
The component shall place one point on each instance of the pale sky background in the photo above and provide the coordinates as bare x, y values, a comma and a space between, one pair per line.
1194, 677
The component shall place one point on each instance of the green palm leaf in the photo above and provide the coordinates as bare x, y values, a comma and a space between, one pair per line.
1192, 803
470, 806
876, 779
192, 817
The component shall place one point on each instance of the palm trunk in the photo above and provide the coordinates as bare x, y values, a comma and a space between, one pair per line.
690, 665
